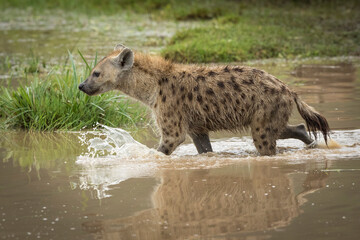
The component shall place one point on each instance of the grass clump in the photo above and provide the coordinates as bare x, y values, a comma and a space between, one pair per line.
260, 33
54, 102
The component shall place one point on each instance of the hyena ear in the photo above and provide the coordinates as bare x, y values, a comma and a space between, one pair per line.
125, 59
119, 46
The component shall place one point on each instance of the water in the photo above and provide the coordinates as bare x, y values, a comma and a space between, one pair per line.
106, 185
111, 184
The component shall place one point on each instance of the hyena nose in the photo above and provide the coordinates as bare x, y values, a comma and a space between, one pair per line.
81, 86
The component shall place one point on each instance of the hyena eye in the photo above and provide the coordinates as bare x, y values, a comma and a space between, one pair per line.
96, 74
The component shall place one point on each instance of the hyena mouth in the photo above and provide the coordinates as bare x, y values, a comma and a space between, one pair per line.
88, 90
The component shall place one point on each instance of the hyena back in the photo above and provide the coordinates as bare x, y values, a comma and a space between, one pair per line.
194, 100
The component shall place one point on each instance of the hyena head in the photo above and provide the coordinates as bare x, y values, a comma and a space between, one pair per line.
110, 73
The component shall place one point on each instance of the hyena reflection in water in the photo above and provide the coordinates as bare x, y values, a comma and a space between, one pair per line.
230, 202
194, 100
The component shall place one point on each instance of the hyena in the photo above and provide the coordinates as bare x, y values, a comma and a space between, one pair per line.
195, 100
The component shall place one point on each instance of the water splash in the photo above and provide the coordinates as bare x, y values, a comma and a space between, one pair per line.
105, 141
114, 156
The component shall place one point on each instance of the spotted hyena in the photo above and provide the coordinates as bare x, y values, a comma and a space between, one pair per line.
194, 100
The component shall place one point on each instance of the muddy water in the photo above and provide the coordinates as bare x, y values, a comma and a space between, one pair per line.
109, 184
105, 184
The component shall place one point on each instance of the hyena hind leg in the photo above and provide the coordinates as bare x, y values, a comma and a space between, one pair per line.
202, 142
297, 132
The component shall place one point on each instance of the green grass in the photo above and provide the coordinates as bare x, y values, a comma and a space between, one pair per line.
237, 30
173, 9
272, 32
91, 7
53, 102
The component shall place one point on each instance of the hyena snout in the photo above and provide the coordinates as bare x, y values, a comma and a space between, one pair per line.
81, 86
87, 88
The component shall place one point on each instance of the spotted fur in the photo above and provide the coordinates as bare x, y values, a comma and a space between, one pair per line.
194, 100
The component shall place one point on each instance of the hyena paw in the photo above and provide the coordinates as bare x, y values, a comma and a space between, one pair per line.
314, 144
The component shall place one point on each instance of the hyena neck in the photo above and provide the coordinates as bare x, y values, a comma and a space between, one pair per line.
145, 74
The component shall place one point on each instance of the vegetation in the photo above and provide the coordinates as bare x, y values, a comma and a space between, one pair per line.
227, 31
172, 9
270, 33
53, 102
239, 30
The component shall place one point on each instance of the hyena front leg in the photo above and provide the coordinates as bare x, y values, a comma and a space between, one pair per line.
202, 142
169, 143
171, 137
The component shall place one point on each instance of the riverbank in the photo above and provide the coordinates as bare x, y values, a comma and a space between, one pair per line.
238, 31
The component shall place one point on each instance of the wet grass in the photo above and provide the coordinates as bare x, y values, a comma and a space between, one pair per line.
53, 102
28, 65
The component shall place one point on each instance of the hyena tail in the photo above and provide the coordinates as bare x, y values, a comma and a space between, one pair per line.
314, 120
